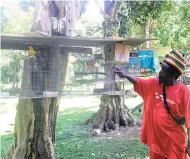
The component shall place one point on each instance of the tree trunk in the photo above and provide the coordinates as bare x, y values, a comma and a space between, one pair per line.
148, 31
112, 113
17, 82
35, 123
36, 120
14, 83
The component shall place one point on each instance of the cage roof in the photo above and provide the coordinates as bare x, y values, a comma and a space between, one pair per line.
22, 41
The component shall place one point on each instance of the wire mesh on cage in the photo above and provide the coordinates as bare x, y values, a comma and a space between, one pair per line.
39, 73
83, 71
93, 77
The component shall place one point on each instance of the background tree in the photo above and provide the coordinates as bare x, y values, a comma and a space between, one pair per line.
12, 60
137, 18
172, 28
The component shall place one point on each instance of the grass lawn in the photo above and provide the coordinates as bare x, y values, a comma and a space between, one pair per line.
5, 143
73, 141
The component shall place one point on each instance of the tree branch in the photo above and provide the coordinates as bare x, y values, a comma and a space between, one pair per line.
102, 10
95, 31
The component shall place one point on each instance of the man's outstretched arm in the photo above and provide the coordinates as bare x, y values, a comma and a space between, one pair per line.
123, 74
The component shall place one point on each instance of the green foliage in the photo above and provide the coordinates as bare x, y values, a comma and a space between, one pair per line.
19, 21
173, 26
11, 65
136, 13
87, 26
92, 29
79, 66
123, 16
14, 20
110, 27
4, 19
169, 21
142, 10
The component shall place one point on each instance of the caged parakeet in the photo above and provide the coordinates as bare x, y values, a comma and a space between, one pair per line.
31, 51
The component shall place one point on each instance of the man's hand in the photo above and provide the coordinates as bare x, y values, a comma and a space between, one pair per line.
119, 72
188, 148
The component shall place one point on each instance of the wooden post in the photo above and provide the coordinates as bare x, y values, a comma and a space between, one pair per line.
109, 59
56, 63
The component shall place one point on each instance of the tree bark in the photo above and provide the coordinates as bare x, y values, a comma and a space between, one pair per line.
35, 123
112, 113
148, 30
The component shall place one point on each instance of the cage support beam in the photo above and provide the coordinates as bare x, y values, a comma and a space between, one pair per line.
38, 47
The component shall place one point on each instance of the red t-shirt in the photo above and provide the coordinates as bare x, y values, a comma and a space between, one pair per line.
159, 130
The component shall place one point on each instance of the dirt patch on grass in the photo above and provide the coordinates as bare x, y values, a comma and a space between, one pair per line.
128, 133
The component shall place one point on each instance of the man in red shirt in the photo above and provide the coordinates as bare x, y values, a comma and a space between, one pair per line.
166, 109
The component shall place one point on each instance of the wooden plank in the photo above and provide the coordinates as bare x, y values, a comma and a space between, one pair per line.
83, 50
38, 47
137, 107
110, 75
85, 59
95, 58
113, 81
111, 93
68, 41
89, 73
23, 46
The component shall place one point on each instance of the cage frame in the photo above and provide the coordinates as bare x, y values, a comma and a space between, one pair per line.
62, 44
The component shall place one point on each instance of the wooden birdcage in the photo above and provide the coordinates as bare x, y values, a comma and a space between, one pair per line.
42, 76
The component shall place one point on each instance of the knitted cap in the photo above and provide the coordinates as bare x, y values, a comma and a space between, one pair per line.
176, 59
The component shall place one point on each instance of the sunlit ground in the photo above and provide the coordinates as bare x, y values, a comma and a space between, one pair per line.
8, 109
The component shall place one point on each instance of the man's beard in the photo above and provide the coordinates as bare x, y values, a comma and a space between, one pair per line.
166, 82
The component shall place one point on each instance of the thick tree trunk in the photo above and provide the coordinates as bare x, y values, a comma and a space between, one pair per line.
35, 122
42, 18
112, 113
57, 17
34, 133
